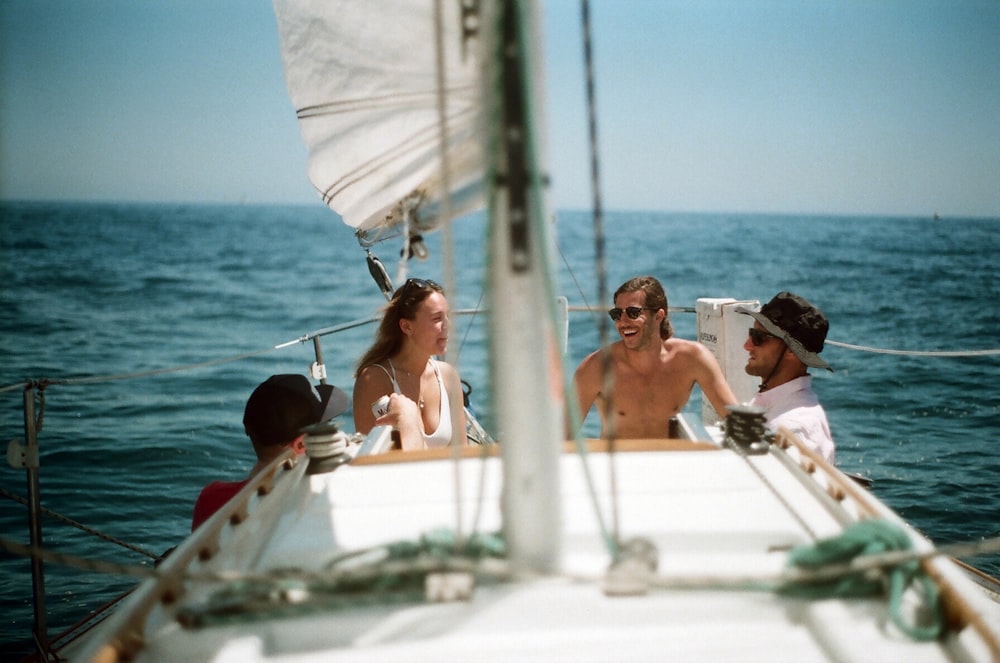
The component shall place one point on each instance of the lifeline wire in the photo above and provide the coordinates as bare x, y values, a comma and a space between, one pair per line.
918, 353
369, 320
69, 521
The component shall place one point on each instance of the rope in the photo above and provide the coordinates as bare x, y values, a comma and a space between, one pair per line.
831, 571
799, 576
869, 537
69, 521
839, 566
395, 571
789, 507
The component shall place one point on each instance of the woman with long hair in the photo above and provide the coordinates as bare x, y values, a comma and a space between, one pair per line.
425, 395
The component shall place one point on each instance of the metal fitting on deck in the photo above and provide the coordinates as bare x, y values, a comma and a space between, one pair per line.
326, 447
746, 429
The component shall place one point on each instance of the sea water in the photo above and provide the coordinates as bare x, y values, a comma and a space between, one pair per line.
110, 299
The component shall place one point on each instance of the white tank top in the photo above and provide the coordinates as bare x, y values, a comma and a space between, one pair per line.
442, 436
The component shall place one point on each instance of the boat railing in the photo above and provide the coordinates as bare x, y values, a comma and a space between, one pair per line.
842, 488
165, 585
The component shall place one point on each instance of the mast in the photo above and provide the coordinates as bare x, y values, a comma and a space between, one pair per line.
527, 363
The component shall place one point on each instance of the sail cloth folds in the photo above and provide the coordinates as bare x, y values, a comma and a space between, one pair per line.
363, 77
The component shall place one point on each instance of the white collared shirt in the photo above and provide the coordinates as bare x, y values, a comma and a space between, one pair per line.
794, 406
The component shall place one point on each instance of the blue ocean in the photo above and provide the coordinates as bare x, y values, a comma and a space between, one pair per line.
153, 323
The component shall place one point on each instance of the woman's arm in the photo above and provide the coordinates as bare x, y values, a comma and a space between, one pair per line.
372, 384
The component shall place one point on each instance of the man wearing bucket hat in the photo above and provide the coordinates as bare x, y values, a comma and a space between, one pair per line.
275, 414
784, 342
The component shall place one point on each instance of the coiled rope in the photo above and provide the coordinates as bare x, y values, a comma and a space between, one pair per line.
869, 537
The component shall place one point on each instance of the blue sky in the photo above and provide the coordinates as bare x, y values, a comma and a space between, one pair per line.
844, 107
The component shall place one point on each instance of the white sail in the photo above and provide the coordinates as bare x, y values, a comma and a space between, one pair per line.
364, 80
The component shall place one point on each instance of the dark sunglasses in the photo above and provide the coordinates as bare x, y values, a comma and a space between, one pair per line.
757, 337
418, 284
632, 312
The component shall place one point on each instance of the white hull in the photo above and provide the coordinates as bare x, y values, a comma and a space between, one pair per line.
717, 526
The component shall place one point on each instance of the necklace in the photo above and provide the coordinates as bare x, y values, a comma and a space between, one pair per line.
411, 374
420, 399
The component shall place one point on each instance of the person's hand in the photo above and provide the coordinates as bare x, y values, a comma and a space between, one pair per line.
404, 416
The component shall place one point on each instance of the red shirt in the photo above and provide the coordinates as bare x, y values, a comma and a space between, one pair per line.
212, 498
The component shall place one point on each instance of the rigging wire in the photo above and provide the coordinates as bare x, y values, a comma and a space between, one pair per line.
602, 278
448, 256
468, 328
579, 288
359, 322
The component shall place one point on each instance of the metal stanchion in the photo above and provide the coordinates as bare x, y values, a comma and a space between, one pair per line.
30, 460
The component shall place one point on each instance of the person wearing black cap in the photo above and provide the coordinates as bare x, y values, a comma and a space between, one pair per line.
784, 342
275, 414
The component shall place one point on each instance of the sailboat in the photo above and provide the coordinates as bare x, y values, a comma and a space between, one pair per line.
717, 545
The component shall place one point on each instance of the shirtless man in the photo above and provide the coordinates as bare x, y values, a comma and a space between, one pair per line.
652, 373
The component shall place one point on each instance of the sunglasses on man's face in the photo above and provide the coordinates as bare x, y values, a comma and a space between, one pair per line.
632, 312
757, 337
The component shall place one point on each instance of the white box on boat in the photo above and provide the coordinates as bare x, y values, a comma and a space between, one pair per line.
724, 331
